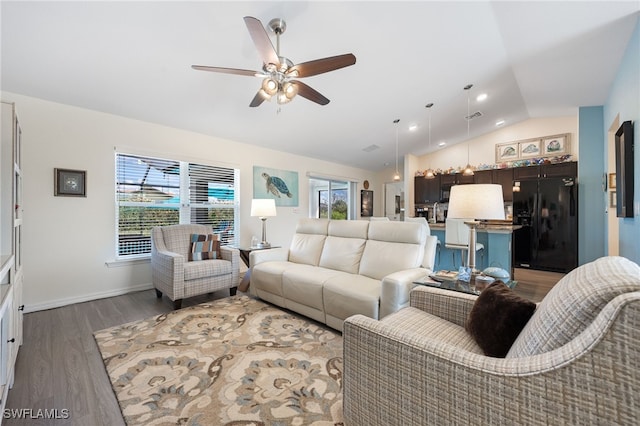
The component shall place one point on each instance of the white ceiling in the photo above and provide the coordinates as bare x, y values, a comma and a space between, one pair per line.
533, 59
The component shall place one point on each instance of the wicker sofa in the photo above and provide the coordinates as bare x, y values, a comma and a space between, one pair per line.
577, 361
336, 268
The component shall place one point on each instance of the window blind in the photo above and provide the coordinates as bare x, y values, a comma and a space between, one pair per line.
158, 192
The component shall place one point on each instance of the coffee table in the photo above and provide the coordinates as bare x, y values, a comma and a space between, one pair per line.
469, 287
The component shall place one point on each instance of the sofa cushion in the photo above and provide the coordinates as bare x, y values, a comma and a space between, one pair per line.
342, 254
203, 247
347, 294
574, 302
497, 317
267, 276
380, 258
306, 248
304, 285
206, 269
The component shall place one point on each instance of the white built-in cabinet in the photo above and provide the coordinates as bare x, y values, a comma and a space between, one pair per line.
11, 279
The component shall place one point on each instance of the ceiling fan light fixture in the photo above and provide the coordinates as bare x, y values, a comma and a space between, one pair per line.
290, 89
270, 86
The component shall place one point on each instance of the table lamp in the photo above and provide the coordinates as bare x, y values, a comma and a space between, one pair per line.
472, 202
263, 208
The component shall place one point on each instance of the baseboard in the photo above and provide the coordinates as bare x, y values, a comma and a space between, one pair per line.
58, 303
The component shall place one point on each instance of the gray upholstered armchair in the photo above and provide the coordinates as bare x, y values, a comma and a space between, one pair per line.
575, 362
179, 278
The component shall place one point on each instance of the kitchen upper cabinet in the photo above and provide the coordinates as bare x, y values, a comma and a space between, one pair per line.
504, 177
483, 176
529, 172
559, 170
426, 191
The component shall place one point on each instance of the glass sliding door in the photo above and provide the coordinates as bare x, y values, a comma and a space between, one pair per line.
331, 199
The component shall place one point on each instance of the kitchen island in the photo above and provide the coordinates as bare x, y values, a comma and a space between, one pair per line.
497, 238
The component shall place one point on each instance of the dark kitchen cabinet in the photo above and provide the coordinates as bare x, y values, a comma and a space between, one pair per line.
529, 172
569, 169
504, 177
426, 191
483, 176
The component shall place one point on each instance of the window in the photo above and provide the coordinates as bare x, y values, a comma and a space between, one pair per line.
158, 192
331, 199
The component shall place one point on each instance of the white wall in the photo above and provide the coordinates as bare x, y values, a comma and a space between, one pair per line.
67, 241
482, 149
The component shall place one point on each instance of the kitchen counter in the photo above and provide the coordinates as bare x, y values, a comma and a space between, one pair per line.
498, 228
496, 237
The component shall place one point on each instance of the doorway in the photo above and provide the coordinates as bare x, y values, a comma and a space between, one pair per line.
394, 200
613, 233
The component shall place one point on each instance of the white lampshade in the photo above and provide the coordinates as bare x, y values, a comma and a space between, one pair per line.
263, 207
476, 201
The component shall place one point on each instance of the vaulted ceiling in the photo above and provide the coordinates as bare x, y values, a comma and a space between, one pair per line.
532, 59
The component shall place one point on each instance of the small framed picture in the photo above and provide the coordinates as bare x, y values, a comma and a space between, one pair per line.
529, 148
70, 183
555, 145
612, 199
506, 152
612, 181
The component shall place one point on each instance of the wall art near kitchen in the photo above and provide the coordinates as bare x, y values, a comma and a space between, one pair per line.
529, 148
555, 145
70, 183
506, 152
366, 203
281, 185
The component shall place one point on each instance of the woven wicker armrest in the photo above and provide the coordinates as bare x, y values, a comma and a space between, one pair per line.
450, 305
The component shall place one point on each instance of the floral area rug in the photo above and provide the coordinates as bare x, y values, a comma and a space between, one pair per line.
234, 361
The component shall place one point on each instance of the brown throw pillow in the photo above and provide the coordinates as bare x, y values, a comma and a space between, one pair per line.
497, 317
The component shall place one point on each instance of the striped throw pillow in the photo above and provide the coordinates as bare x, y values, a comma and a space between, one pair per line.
204, 247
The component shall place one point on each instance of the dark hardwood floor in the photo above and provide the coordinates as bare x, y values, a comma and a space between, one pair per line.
59, 365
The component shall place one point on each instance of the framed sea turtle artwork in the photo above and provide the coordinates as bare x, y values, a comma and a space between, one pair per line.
281, 185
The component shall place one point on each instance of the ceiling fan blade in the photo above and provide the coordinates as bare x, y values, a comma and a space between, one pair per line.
307, 92
257, 100
319, 66
226, 70
261, 40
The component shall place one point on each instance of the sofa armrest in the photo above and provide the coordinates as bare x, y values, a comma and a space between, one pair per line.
232, 254
275, 254
430, 248
450, 305
167, 270
396, 287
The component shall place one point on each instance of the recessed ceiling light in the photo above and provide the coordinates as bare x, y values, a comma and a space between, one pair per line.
481, 97
499, 122
443, 143
413, 127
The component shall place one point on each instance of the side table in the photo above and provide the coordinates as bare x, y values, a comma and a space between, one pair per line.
244, 255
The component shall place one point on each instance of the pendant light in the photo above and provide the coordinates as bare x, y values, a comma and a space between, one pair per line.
429, 173
468, 171
396, 177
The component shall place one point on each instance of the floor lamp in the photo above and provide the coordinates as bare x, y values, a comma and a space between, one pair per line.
263, 208
472, 202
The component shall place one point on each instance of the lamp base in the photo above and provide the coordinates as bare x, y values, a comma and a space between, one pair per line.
263, 245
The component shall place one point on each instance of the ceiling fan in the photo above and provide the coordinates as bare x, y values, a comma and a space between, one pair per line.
279, 74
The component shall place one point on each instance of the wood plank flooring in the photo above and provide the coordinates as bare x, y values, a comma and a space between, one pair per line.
59, 365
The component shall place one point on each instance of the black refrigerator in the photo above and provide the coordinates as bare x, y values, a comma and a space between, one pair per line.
547, 210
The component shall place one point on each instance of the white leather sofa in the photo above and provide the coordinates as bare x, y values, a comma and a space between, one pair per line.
336, 268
